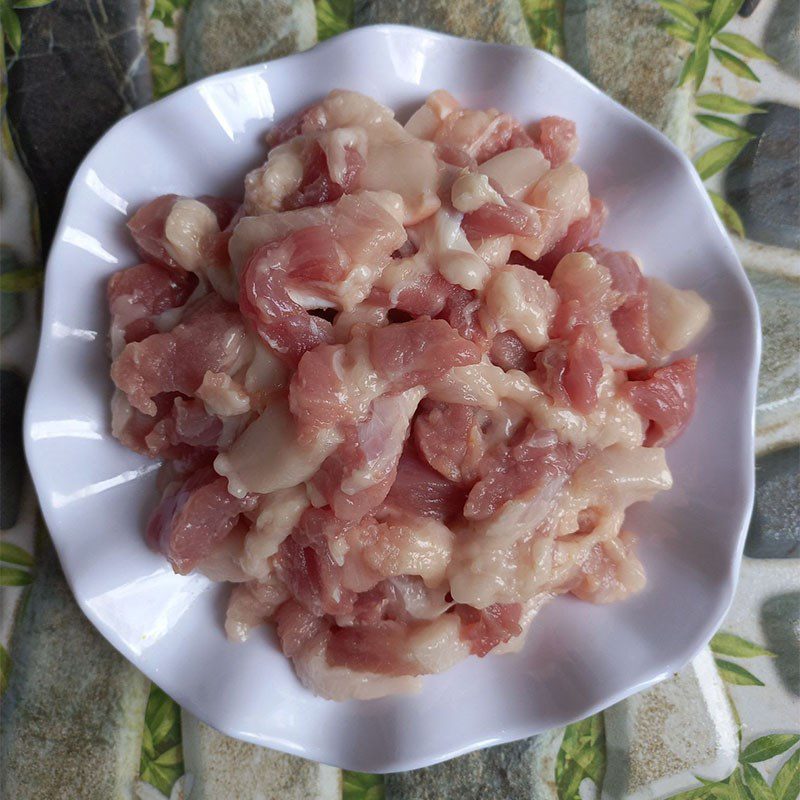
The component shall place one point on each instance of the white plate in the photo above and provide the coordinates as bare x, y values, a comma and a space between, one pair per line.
95, 494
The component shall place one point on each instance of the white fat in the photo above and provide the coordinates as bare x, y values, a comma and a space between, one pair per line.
189, 222
677, 316
268, 455
516, 171
278, 513
471, 190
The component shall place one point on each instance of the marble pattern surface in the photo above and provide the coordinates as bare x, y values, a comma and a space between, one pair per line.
79, 722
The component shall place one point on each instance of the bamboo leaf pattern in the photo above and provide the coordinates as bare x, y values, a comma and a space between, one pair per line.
743, 46
582, 755
5, 669
10, 576
333, 17
733, 673
9, 21
728, 644
22, 4
722, 12
766, 747
786, 785
733, 222
362, 786
21, 280
544, 19
679, 12
724, 104
12, 554
679, 31
698, 6
162, 754
735, 65
754, 781
724, 127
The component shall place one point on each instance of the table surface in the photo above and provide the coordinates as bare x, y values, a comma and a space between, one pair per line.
77, 721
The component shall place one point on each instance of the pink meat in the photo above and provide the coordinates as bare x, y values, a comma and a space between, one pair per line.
417, 352
210, 338
492, 219
308, 568
137, 294
570, 369
147, 224
485, 628
446, 435
508, 351
467, 137
317, 186
579, 236
532, 459
460, 310
187, 423
667, 398
557, 138
421, 490
192, 520
282, 323
382, 648
297, 626
371, 450
632, 319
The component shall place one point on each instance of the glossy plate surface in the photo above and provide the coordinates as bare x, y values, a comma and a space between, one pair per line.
96, 495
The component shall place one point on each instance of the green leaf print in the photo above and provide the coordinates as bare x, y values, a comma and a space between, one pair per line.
679, 31
767, 747
679, 12
9, 21
21, 280
759, 789
582, 755
545, 21
724, 104
745, 47
728, 644
733, 673
5, 669
718, 157
333, 17
722, 12
9, 576
12, 554
698, 6
786, 785
734, 65
727, 213
724, 127
362, 786
20, 4
162, 754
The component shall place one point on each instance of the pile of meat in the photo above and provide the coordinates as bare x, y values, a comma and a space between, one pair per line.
401, 394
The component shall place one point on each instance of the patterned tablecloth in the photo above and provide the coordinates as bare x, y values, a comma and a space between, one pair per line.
722, 79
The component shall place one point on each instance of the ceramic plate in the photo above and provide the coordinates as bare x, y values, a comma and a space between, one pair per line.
95, 494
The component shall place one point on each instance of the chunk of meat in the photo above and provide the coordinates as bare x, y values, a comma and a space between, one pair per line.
508, 352
448, 436
612, 571
357, 477
570, 369
532, 459
212, 338
418, 489
322, 266
466, 137
417, 352
251, 604
483, 629
193, 518
632, 318
518, 300
180, 241
138, 296
666, 398
580, 234
557, 138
